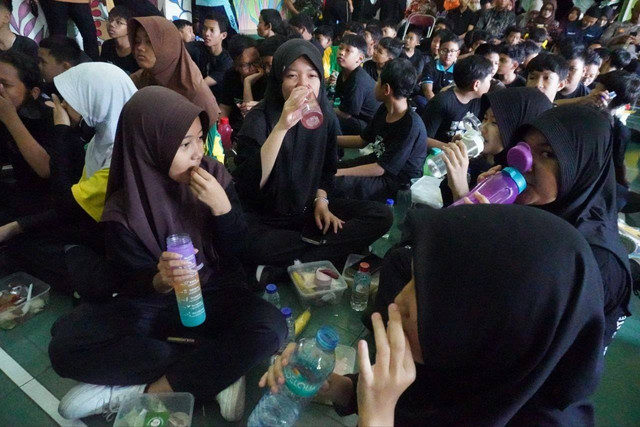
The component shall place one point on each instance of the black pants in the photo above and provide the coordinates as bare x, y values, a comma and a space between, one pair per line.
276, 241
123, 342
378, 188
352, 125
58, 13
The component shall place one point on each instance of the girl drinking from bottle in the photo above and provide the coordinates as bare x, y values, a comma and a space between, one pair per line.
285, 174
475, 343
160, 184
573, 176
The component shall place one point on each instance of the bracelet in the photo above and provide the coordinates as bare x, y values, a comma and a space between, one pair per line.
324, 199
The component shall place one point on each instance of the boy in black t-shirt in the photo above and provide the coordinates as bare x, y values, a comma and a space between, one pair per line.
212, 60
444, 112
511, 56
414, 55
117, 50
574, 90
354, 87
186, 30
396, 138
9, 41
439, 73
548, 73
386, 50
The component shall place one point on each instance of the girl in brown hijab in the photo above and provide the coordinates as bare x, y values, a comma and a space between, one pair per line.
164, 61
546, 19
160, 184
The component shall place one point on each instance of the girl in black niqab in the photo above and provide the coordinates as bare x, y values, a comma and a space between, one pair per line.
508, 333
285, 172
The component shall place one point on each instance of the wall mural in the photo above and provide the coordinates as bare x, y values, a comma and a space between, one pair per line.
249, 10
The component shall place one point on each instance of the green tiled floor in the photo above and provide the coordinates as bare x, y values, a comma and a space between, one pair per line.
617, 400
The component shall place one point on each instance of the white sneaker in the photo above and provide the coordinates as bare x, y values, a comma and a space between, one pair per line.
231, 401
85, 400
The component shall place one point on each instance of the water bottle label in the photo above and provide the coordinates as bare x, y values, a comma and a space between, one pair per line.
298, 384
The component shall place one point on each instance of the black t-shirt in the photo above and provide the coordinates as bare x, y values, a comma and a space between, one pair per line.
24, 45
436, 74
210, 65
110, 54
400, 147
461, 20
356, 94
518, 82
443, 114
371, 68
417, 60
232, 90
580, 91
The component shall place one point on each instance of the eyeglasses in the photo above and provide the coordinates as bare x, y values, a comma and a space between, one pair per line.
250, 64
446, 51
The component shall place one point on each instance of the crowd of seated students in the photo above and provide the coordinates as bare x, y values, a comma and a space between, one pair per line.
108, 159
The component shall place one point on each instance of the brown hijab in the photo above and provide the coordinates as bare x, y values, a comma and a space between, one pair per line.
174, 68
140, 194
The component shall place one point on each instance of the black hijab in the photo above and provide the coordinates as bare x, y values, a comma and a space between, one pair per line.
512, 108
511, 332
307, 159
140, 194
581, 140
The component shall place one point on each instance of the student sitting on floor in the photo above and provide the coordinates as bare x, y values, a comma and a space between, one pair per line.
303, 23
573, 176
511, 56
209, 55
548, 73
26, 137
324, 35
354, 87
531, 50
396, 136
592, 65
117, 50
389, 29
372, 35
410, 52
470, 343
186, 30
56, 55
164, 61
492, 53
270, 23
439, 73
285, 173
386, 50
78, 192
574, 88
443, 114
161, 185
513, 35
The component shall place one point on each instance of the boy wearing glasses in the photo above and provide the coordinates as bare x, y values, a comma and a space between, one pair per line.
117, 50
439, 74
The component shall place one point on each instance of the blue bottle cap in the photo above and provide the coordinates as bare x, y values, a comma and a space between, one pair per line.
435, 151
327, 338
390, 202
517, 177
271, 288
286, 311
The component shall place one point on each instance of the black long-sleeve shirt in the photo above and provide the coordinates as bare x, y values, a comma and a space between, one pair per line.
136, 266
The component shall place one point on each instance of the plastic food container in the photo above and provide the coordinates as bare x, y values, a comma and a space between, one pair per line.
156, 410
303, 278
348, 278
15, 308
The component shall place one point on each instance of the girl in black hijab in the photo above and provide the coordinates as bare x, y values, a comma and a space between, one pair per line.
160, 184
285, 172
520, 345
573, 176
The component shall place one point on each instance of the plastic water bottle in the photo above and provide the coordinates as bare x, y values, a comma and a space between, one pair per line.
360, 288
331, 89
291, 330
308, 368
271, 294
390, 203
225, 130
471, 138
188, 292
311, 115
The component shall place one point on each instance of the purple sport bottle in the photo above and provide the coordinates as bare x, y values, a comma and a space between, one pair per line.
188, 292
501, 188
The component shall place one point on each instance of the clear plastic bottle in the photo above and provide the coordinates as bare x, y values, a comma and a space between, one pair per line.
471, 138
188, 292
308, 368
360, 288
271, 294
291, 330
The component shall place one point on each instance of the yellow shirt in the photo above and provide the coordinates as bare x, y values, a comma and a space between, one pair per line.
90, 192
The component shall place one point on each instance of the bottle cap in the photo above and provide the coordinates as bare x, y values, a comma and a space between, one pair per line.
224, 120
435, 151
286, 311
327, 338
364, 267
517, 177
271, 288
520, 157
390, 202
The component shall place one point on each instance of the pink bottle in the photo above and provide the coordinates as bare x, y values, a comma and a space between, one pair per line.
311, 112
224, 129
